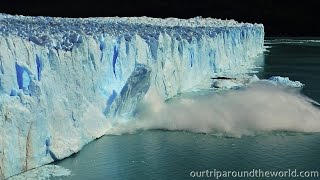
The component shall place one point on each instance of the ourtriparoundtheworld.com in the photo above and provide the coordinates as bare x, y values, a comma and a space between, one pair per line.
255, 173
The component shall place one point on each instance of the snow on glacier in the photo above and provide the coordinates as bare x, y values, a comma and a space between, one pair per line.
63, 81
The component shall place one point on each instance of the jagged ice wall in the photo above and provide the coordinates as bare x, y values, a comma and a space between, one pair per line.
64, 82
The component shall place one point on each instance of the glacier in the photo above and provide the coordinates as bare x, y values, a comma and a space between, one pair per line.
65, 81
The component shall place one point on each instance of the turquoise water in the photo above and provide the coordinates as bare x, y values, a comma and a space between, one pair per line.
159, 154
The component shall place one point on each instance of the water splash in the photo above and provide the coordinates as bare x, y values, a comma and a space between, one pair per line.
259, 107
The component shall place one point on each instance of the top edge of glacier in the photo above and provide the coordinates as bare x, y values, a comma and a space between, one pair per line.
64, 33
166, 22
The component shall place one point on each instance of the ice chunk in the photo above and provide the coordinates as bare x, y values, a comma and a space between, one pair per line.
286, 81
132, 93
254, 78
225, 84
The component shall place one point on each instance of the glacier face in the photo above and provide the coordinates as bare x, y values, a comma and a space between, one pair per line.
64, 81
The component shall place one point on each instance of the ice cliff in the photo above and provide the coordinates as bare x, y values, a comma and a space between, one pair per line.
64, 81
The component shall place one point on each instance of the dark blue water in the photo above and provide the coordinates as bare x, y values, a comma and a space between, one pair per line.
174, 154
297, 59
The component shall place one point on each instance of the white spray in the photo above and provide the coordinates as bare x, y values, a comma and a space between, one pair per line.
260, 107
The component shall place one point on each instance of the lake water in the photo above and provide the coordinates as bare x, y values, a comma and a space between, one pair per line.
159, 154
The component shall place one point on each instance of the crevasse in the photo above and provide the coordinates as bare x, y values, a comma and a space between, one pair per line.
63, 81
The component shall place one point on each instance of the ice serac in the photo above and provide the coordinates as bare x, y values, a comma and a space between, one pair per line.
63, 82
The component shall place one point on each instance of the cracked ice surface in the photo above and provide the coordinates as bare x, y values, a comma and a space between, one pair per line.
63, 81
